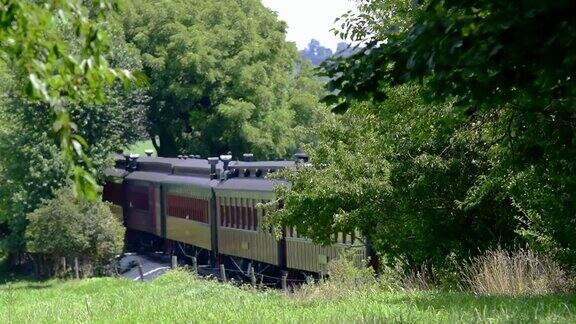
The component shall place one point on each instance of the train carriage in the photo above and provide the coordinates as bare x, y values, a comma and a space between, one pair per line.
188, 212
303, 254
240, 231
212, 205
142, 210
142, 189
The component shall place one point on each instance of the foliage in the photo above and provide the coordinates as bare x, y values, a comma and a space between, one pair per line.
56, 74
222, 78
399, 172
35, 167
65, 226
508, 66
522, 272
180, 297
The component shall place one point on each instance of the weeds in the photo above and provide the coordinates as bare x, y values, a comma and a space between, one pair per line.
498, 272
523, 272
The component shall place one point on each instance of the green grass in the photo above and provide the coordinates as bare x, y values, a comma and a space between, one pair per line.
140, 147
180, 297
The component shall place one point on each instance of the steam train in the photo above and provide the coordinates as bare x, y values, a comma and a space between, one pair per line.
208, 208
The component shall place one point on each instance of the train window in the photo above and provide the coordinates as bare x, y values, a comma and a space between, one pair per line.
138, 197
228, 214
188, 208
245, 222
238, 213
250, 215
234, 214
222, 211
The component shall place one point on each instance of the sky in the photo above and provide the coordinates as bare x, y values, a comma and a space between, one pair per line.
309, 19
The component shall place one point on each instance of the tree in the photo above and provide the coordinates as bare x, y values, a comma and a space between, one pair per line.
56, 74
221, 77
68, 227
509, 66
399, 173
35, 167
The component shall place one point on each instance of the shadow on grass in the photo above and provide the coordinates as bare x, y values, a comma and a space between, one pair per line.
524, 308
15, 280
14, 286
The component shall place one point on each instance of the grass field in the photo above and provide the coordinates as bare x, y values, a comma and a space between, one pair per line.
140, 147
180, 297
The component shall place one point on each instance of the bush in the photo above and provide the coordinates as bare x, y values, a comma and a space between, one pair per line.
67, 227
344, 278
522, 272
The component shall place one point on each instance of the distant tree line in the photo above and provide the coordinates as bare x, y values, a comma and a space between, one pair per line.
317, 54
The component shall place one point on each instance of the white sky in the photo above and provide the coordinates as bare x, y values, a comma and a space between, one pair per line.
309, 19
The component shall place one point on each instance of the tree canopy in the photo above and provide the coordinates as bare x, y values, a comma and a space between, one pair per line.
35, 167
399, 172
222, 78
50, 70
488, 153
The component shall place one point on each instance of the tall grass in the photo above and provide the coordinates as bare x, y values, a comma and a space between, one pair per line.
178, 297
140, 147
523, 272
346, 279
498, 272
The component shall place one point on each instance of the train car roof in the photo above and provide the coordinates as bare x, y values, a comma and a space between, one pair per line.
180, 163
263, 164
250, 184
190, 180
146, 176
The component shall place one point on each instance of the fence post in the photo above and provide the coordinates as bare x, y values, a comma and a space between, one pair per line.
174, 262
284, 281
252, 276
195, 265
140, 269
223, 272
76, 268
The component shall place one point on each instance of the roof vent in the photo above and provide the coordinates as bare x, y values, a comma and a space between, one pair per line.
126, 161
133, 162
248, 157
226, 159
301, 157
213, 161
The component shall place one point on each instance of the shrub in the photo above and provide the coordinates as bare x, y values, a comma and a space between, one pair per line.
523, 272
67, 227
344, 278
